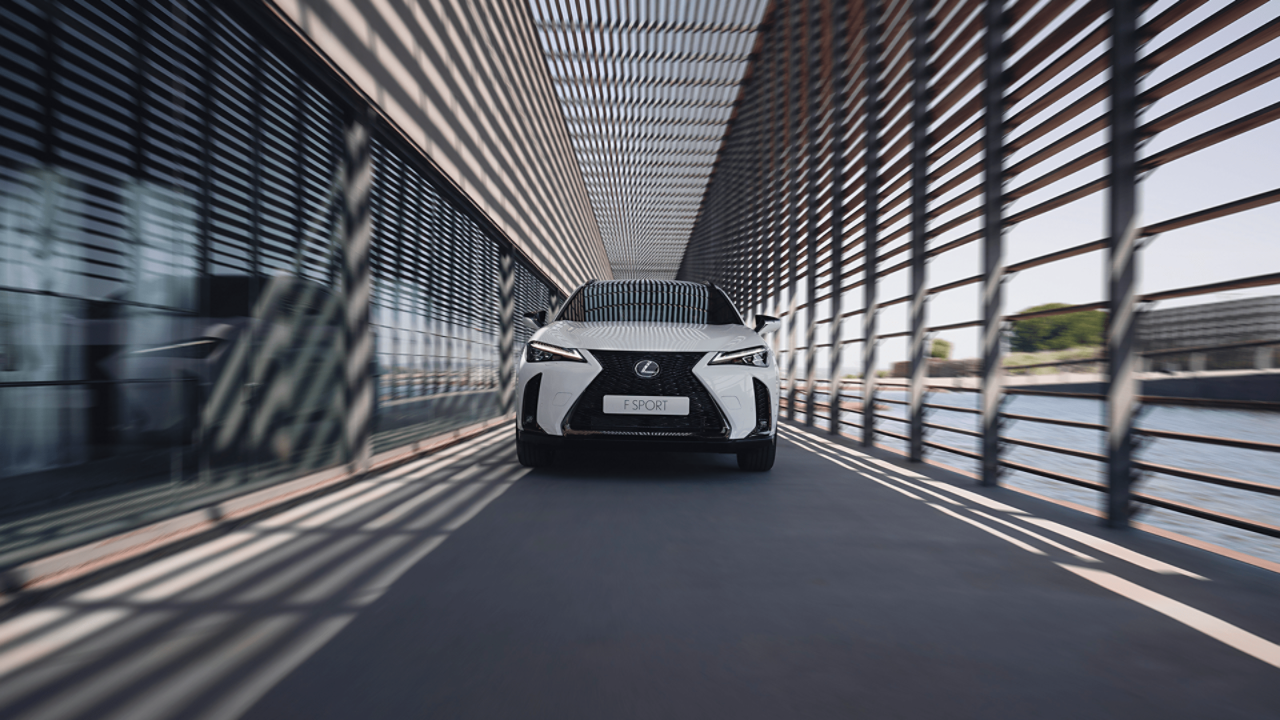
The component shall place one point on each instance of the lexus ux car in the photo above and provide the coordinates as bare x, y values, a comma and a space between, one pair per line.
644, 365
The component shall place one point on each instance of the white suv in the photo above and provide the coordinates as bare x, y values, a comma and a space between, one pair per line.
648, 364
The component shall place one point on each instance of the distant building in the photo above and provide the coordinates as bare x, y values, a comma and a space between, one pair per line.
1221, 323
1199, 327
939, 367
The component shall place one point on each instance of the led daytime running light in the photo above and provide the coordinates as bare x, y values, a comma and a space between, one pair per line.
559, 353
738, 356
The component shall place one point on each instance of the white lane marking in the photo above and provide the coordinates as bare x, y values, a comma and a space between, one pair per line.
1220, 630
1112, 549
868, 471
975, 498
894, 469
58, 638
1037, 536
1096, 543
905, 476
927, 491
850, 468
993, 531
826, 443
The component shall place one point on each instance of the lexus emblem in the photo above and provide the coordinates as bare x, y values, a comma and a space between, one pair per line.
647, 369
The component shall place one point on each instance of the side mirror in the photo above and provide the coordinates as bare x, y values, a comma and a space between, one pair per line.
766, 324
535, 320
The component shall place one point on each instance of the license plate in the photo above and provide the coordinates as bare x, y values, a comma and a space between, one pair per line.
645, 405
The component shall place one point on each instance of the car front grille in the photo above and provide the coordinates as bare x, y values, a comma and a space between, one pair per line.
676, 379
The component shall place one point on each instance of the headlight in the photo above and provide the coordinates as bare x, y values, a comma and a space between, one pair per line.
754, 356
541, 352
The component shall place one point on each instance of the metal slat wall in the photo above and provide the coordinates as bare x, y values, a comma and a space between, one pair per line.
467, 85
647, 89
186, 207
874, 140
434, 309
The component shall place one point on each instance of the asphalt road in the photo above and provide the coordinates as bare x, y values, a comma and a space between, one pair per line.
659, 585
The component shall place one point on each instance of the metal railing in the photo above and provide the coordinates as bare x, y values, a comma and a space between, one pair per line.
822, 388
872, 137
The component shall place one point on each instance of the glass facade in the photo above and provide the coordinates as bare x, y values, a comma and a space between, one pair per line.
174, 326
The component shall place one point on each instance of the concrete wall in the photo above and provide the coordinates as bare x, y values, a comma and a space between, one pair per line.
467, 82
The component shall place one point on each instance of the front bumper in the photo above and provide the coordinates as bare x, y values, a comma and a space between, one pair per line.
562, 386
642, 443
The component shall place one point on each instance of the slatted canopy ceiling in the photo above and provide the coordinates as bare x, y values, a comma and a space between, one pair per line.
647, 87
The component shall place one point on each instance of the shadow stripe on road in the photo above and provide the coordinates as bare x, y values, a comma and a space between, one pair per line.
1209, 625
176, 637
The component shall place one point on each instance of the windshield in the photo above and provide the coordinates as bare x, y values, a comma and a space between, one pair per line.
650, 301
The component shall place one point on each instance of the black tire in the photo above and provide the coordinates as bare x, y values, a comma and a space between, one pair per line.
533, 456
758, 459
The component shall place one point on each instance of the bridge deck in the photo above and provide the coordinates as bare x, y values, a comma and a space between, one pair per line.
839, 585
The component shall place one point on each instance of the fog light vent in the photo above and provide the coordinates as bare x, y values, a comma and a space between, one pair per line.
764, 408
529, 404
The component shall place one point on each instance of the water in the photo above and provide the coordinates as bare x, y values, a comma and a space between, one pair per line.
1254, 465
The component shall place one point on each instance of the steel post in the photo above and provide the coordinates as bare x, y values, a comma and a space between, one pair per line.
993, 244
918, 361
793, 211
357, 286
835, 35
813, 89
506, 328
773, 243
871, 213
1121, 267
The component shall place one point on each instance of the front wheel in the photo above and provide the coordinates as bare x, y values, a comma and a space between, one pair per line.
533, 456
758, 459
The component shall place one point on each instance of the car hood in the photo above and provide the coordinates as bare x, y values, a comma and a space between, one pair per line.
648, 336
